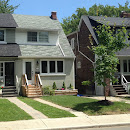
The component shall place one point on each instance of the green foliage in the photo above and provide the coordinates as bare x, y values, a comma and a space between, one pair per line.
71, 87
54, 86
86, 83
70, 23
49, 111
63, 86
88, 105
11, 112
47, 90
106, 60
6, 8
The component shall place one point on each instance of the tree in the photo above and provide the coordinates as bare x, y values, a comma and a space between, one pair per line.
6, 8
70, 23
106, 60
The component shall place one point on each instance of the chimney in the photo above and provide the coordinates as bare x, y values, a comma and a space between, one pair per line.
124, 14
53, 15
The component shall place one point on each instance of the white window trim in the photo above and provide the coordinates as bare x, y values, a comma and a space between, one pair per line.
3, 42
48, 68
38, 38
72, 43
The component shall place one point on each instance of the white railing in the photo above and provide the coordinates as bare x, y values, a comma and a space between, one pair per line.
125, 84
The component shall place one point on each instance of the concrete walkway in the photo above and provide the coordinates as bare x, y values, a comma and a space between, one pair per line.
32, 112
76, 113
68, 123
116, 99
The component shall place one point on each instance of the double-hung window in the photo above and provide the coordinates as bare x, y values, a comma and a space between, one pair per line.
1, 35
52, 66
38, 37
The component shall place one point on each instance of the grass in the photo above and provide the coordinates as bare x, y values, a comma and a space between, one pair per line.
89, 106
10, 112
47, 110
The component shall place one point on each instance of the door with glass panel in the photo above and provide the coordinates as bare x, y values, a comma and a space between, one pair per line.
126, 69
29, 71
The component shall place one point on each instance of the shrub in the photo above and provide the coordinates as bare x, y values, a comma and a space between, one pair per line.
47, 90
86, 83
70, 87
64, 86
54, 86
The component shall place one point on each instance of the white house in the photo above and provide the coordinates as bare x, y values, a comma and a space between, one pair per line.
31, 45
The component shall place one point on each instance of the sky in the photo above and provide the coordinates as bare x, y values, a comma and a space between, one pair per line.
64, 8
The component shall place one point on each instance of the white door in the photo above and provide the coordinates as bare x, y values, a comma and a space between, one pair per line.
29, 70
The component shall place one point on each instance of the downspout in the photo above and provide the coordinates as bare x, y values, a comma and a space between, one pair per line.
82, 53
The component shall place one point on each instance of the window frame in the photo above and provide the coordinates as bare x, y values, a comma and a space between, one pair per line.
48, 67
3, 42
38, 36
72, 43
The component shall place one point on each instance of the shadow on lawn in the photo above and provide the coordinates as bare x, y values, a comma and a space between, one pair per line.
94, 107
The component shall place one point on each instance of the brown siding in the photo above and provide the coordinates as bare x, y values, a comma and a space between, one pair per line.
85, 72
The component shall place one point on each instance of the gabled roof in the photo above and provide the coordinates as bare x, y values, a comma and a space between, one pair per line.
7, 20
111, 21
36, 22
91, 21
9, 50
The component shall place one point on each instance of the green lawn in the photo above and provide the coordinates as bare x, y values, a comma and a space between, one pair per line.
10, 112
89, 106
127, 98
47, 110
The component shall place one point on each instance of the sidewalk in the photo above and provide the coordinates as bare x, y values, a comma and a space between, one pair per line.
68, 123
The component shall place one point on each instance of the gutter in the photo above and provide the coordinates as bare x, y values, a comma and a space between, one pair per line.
82, 53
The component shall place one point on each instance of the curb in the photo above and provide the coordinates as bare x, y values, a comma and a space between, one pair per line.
83, 127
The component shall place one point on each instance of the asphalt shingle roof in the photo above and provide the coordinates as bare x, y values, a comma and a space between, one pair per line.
35, 22
111, 21
9, 50
7, 20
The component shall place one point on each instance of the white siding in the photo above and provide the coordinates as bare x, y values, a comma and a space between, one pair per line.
21, 38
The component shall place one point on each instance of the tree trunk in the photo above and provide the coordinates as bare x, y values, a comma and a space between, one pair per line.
107, 87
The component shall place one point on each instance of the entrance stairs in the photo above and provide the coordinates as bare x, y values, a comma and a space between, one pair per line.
119, 89
9, 91
34, 91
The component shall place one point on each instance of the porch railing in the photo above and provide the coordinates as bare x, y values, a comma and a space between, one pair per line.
38, 82
125, 84
25, 81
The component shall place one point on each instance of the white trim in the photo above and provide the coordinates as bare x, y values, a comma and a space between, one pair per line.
61, 50
39, 42
3, 42
32, 57
48, 67
32, 68
47, 75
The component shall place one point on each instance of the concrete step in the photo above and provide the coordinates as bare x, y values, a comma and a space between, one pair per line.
10, 95
121, 93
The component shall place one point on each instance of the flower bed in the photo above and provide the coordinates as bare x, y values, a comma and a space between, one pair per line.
66, 92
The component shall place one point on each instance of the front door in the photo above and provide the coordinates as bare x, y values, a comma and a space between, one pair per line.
9, 73
29, 71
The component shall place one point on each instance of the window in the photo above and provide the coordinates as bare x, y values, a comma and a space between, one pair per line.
118, 66
72, 43
52, 66
1, 35
60, 66
38, 36
44, 66
128, 33
32, 36
43, 36
125, 65
1, 69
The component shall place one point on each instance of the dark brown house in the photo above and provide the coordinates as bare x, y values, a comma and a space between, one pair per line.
85, 58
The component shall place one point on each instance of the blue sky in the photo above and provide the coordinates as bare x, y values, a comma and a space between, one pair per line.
64, 8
